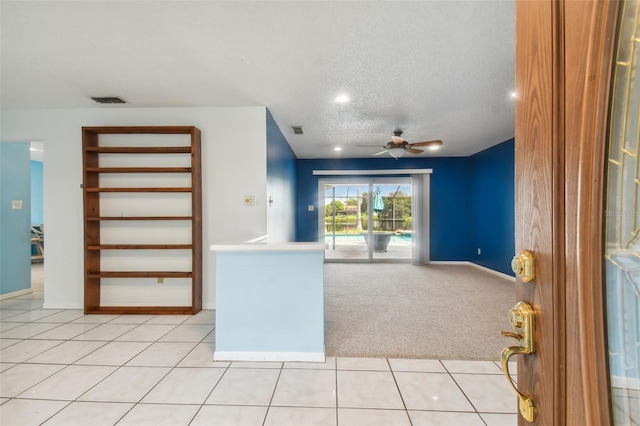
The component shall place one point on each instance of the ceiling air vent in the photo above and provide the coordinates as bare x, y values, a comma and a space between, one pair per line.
297, 130
108, 100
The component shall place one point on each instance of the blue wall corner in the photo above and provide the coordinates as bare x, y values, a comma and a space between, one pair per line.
472, 202
37, 194
15, 240
492, 219
281, 185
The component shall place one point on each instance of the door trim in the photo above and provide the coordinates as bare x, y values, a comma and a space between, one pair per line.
587, 98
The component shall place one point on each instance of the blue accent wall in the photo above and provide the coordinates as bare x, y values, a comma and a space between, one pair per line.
492, 218
449, 198
37, 195
15, 235
472, 202
281, 185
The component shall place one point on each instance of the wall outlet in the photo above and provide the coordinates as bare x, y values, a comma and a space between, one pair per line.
16, 204
479, 251
160, 280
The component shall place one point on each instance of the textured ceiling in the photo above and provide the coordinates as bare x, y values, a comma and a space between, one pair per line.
435, 69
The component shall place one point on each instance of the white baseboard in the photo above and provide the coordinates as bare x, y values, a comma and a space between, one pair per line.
269, 356
449, 262
625, 382
491, 271
466, 262
15, 294
62, 306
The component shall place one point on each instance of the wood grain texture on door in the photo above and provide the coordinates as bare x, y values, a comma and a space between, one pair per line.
539, 225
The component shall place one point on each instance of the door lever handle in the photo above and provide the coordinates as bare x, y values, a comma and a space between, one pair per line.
522, 318
516, 336
527, 408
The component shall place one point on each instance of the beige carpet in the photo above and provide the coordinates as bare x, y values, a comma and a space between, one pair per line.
406, 311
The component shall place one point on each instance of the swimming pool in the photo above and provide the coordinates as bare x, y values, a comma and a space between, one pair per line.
356, 239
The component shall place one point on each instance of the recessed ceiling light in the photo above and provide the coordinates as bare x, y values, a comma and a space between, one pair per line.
342, 98
337, 148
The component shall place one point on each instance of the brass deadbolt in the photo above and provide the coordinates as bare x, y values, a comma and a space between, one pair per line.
523, 266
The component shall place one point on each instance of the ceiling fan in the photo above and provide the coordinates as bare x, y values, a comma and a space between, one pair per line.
398, 146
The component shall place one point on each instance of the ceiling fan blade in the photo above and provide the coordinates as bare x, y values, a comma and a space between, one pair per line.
427, 143
414, 150
381, 152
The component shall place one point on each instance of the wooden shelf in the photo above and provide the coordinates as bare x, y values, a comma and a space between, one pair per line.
138, 169
142, 310
131, 130
94, 229
101, 218
139, 274
141, 247
139, 149
152, 189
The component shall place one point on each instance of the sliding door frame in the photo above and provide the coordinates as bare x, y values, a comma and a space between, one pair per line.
370, 181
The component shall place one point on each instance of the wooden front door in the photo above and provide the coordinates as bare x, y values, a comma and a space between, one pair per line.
564, 51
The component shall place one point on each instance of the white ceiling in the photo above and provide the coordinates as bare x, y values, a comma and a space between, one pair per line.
435, 69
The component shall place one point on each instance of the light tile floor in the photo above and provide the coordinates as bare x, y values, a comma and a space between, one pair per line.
61, 367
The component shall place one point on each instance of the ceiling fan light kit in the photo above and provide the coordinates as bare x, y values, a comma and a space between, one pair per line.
397, 153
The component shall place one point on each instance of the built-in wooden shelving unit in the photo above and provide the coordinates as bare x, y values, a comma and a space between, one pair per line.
140, 218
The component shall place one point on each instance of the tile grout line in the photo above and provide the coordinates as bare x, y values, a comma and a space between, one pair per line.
335, 366
56, 413
209, 394
465, 395
163, 377
404, 404
266, 414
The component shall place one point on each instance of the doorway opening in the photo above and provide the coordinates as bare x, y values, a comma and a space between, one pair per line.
36, 150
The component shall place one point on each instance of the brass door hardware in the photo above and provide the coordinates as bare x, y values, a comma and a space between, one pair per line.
523, 266
522, 318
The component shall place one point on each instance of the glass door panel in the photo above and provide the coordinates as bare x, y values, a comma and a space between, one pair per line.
622, 224
346, 221
392, 221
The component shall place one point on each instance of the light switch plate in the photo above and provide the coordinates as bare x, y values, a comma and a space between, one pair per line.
311, 207
249, 200
16, 204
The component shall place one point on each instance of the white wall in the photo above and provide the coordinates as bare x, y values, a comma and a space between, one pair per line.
233, 165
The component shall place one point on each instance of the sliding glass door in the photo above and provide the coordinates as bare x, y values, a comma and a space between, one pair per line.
367, 220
